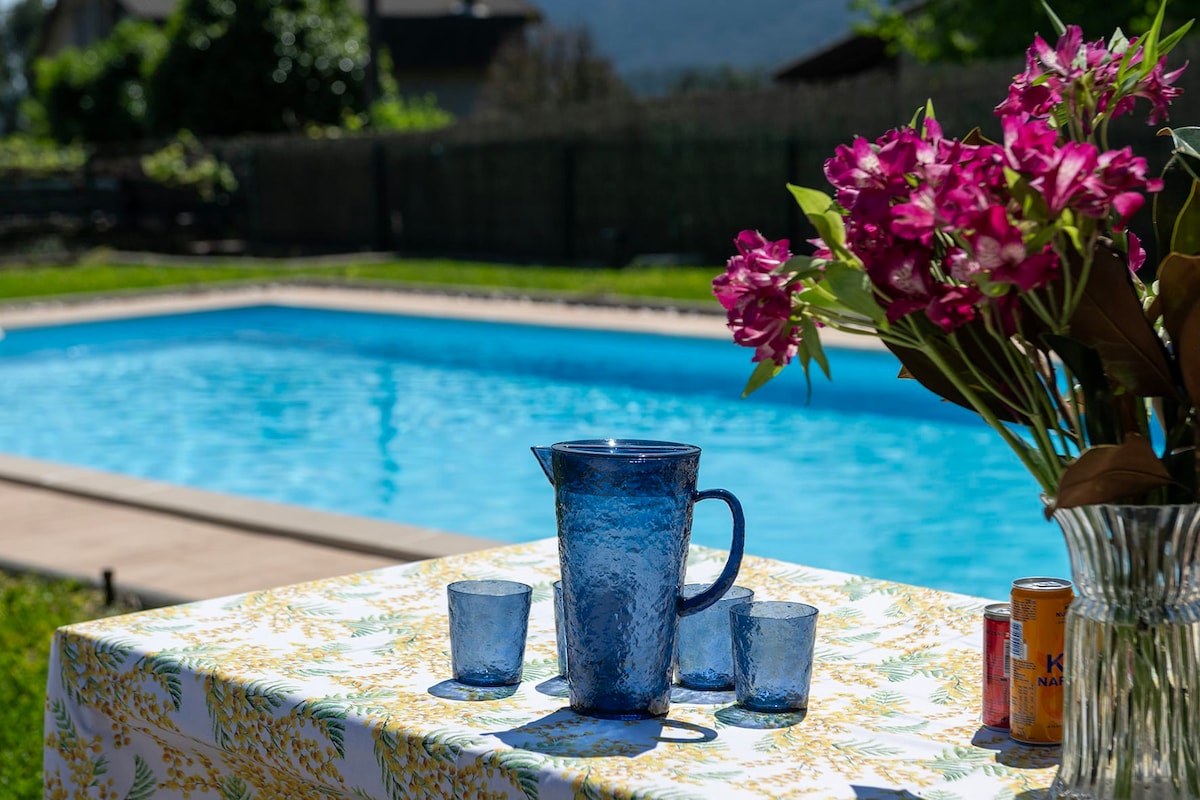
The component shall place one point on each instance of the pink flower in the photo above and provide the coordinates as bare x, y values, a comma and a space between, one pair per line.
1117, 185
1082, 79
1137, 253
953, 306
1157, 88
765, 325
755, 294
753, 270
1000, 251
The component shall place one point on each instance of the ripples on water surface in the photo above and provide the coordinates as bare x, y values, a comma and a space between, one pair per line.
429, 422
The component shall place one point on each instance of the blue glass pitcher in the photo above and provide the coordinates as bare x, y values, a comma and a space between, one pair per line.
624, 509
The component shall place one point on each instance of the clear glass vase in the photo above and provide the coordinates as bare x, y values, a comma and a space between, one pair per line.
1131, 716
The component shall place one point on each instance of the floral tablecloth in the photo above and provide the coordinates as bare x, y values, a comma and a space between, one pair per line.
340, 688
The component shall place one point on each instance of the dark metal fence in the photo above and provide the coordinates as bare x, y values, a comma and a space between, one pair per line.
596, 185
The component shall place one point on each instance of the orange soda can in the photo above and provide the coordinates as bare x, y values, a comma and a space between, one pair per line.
995, 666
1036, 635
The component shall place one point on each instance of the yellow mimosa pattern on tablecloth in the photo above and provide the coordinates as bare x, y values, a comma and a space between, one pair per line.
340, 688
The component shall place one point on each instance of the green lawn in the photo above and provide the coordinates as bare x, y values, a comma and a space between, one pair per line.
30, 609
97, 274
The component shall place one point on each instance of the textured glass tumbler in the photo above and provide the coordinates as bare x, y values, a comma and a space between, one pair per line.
488, 624
773, 644
704, 645
560, 632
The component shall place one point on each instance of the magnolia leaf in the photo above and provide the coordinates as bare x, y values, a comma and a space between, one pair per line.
853, 290
1187, 141
1187, 149
1110, 473
1179, 291
1110, 319
762, 375
1099, 414
976, 138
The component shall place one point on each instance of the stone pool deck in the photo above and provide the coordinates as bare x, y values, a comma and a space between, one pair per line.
166, 544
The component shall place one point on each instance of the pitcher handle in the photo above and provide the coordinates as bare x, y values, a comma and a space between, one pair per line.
729, 574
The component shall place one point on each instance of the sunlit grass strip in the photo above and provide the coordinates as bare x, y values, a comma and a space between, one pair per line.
30, 609
691, 284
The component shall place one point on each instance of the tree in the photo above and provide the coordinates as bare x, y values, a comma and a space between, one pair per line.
723, 78
20, 26
973, 30
235, 66
99, 94
549, 69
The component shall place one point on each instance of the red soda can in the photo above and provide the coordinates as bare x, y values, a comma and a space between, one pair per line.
996, 620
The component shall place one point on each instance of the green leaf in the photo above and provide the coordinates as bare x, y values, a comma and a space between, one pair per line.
330, 715
824, 215
144, 782
1059, 27
1149, 41
1185, 233
1110, 474
234, 788
1168, 43
762, 375
169, 670
867, 748
920, 367
1083, 362
1170, 201
810, 340
853, 290
802, 268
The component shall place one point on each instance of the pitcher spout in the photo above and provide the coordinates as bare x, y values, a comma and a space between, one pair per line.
543, 457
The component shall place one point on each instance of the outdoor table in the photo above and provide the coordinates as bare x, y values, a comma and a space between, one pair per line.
341, 688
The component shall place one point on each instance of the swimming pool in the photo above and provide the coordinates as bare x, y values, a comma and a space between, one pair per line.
429, 422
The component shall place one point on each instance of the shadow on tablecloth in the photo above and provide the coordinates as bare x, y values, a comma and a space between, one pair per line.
567, 734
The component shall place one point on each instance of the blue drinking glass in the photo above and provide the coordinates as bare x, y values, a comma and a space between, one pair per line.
560, 631
704, 645
773, 644
489, 620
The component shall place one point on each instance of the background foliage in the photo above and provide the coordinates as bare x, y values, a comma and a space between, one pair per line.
957, 31
20, 26
275, 65
99, 94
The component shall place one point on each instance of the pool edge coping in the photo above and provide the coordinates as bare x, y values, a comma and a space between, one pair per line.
361, 534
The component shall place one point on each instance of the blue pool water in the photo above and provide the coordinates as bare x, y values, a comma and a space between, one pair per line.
429, 422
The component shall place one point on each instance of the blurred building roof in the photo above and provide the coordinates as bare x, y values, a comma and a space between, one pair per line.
850, 55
